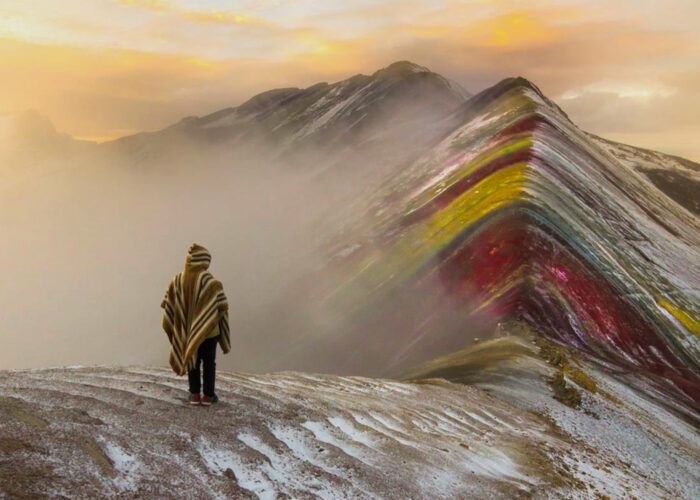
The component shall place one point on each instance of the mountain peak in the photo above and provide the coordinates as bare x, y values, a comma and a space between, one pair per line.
266, 99
401, 68
29, 129
516, 83
32, 122
507, 85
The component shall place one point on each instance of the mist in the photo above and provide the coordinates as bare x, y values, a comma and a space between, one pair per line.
89, 249
90, 243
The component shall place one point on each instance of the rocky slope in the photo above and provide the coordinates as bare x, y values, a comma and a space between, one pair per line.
518, 214
391, 115
88, 432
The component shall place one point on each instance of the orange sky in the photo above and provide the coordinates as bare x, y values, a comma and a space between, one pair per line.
627, 70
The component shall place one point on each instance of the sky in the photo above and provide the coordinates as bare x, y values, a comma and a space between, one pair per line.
628, 70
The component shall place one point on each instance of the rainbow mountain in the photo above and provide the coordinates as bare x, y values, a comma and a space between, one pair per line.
518, 215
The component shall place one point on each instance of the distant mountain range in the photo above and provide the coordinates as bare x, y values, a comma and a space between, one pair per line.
388, 118
31, 146
363, 108
373, 122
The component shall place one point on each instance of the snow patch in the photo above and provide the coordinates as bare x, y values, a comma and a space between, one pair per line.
351, 431
249, 477
129, 467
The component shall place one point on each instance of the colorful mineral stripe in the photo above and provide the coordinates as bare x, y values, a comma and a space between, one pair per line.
519, 214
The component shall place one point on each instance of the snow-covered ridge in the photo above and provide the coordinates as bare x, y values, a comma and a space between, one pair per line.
96, 431
102, 430
360, 107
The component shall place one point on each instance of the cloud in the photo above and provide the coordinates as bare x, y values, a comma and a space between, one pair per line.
153, 5
210, 16
631, 90
223, 17
158, 60
104, 92
93, 92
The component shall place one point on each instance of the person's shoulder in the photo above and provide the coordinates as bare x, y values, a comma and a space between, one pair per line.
219, 285
208, 279
175, 279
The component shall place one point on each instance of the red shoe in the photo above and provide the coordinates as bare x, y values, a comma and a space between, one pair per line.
209, 400
194, 399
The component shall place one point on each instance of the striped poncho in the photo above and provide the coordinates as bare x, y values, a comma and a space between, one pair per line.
194, 303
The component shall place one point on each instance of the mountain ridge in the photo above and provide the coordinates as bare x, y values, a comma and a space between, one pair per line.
104, 431
555, 222
402, 80
400, 69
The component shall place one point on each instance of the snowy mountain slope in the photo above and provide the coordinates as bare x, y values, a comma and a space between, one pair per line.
617, 416
402, 106
97, 431
518, 214
676, 177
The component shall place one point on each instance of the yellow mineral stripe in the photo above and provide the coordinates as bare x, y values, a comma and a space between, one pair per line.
509, 147
690, 323
424, 240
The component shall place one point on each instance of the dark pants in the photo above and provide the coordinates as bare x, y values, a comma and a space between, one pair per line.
206, 354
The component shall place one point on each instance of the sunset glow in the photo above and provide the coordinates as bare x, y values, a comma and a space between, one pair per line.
102, 69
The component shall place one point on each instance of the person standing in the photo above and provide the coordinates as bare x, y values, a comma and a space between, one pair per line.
195, 319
